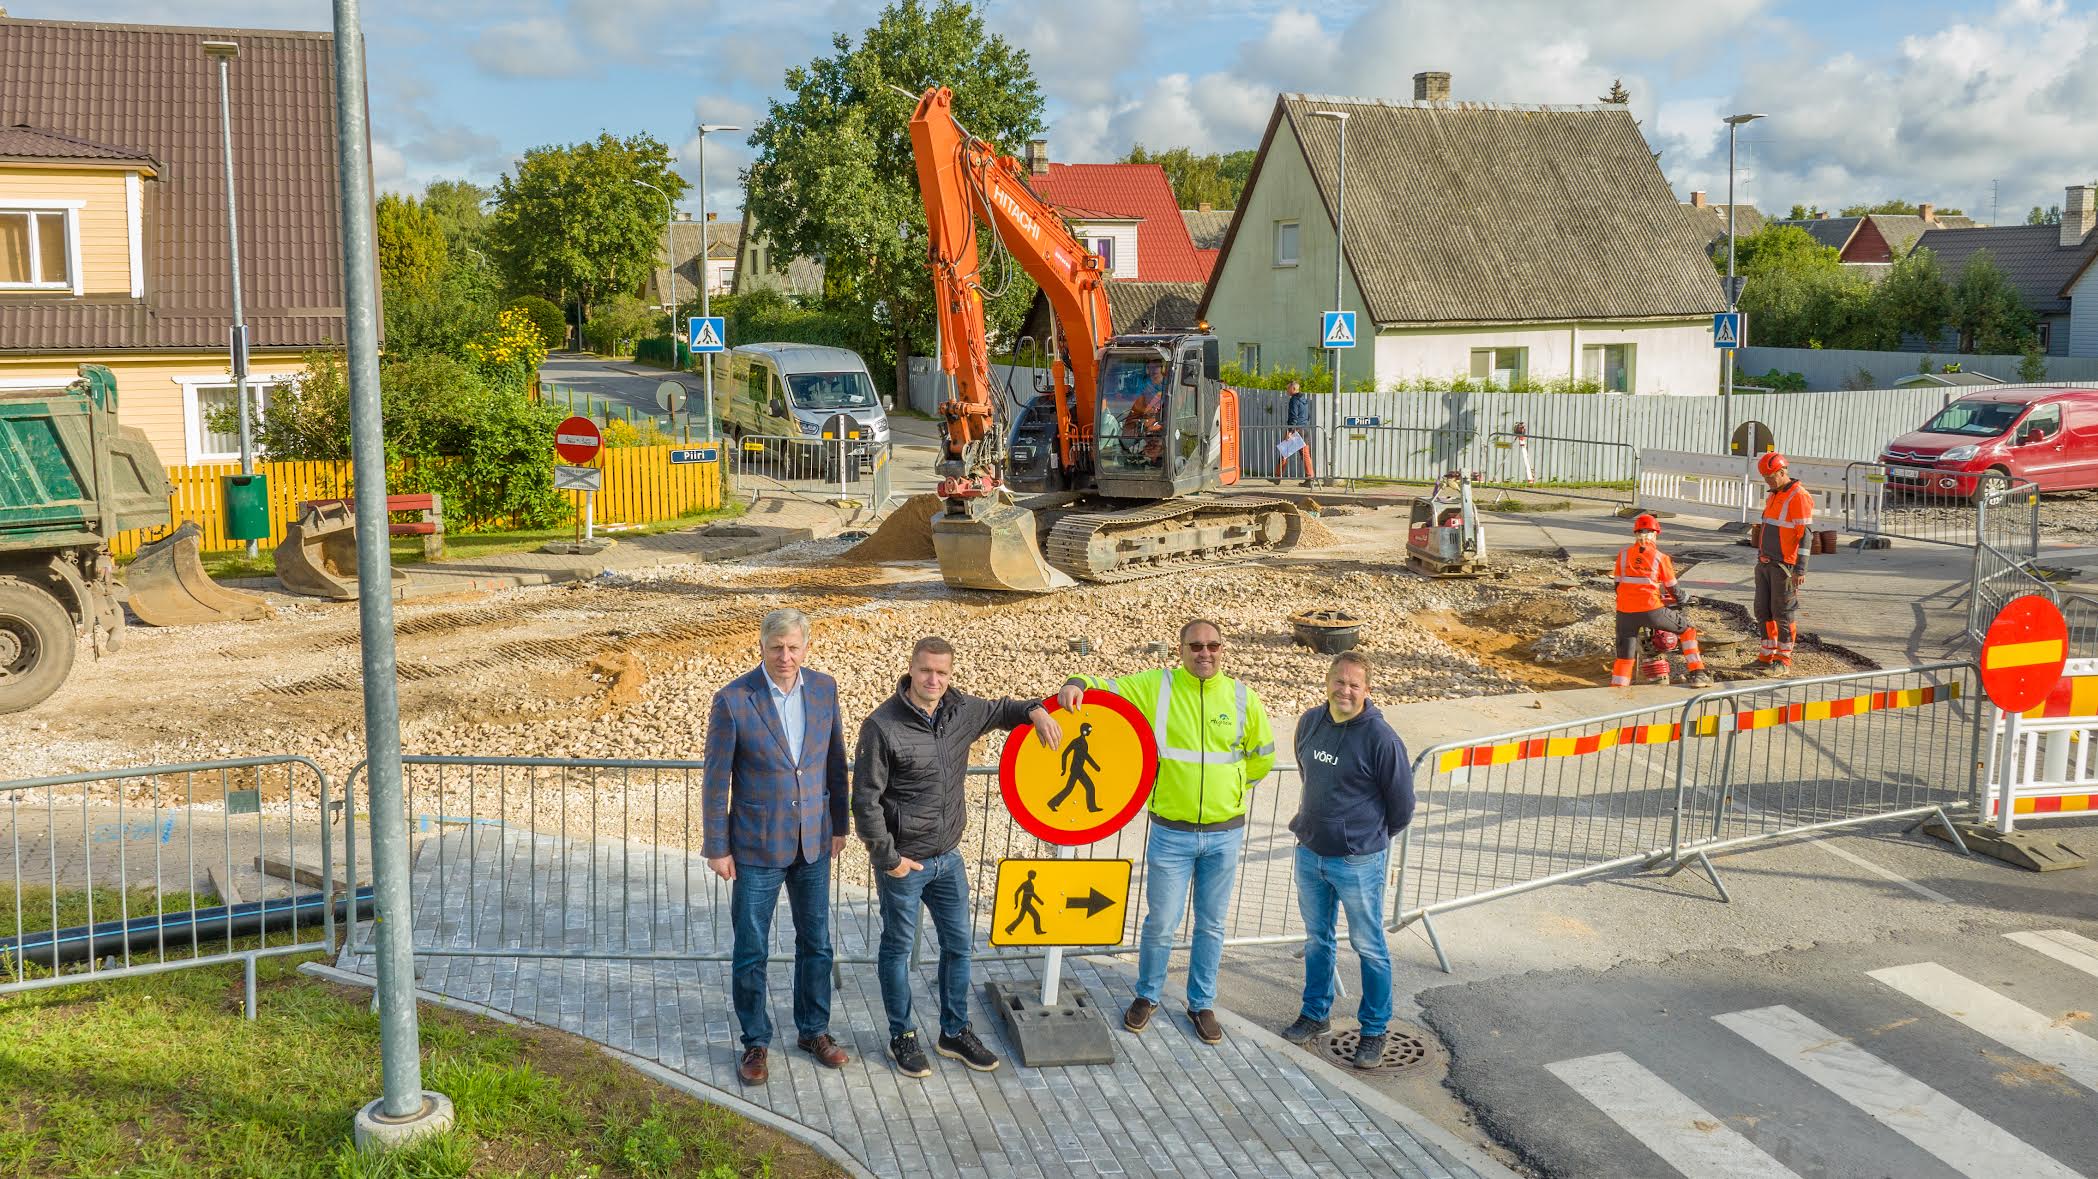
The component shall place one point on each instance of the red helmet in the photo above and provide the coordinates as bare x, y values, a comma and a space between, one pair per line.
1645, 522
1769, 463
1664, 640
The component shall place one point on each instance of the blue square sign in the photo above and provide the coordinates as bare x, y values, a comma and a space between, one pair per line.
1337, 329
707, 333
1726, 329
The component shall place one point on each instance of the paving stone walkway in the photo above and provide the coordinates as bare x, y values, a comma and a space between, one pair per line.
1170, 1105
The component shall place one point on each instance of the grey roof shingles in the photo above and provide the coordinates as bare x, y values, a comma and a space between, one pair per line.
1135, 306
2030, 256
1207, 226
151, 90
1709, 221
1497, 213
721, 246
23, 142
1833, 232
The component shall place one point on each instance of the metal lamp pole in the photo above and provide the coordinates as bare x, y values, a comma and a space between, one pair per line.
1733, 300
1340, 232
706, 248
224, 52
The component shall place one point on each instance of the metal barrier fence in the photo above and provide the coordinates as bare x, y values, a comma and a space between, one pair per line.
1906, 503
830, 468
119, 873
1516, 458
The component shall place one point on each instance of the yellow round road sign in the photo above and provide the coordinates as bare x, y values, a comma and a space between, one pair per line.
1092, 786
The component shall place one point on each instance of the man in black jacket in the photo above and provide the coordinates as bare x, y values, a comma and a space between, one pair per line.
1358, 794
910, 804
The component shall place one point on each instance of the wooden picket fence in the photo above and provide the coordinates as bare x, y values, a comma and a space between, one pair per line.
642, 486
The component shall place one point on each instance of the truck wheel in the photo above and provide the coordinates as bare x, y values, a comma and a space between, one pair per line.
37, 643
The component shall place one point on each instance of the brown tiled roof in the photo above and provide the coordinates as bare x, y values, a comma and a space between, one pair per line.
152, 90
2030, 256
1495, 213
23, 142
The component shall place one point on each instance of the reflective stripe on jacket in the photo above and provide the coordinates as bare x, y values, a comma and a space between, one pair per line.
1213, 741
1642, 573
1788, 515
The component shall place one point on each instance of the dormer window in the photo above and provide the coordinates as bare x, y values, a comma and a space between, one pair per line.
39, 249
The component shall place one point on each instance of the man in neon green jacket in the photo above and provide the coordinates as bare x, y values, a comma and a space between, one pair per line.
1213, 744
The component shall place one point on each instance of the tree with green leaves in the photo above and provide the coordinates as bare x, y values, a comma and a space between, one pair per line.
1797, 295
1891, 206
2051, 215
1803, 213
1216, 179
1913, 299
834, 176
1989, 312
458, 207
573, 225
412, 250
1618, 94
2032, 366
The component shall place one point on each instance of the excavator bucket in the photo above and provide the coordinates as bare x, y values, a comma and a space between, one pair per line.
168, 586
319, 553
991, 545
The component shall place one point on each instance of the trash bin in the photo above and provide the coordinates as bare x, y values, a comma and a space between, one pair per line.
247, 506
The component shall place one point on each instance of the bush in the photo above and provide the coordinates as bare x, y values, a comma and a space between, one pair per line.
2032, 366
1784, 382
621, 433
509, 355
1318, 380
549, 319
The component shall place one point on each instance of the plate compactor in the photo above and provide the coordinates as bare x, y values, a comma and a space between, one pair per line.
1444, 537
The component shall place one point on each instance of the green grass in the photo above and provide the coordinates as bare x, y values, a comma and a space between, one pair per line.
161, 1077
109, 905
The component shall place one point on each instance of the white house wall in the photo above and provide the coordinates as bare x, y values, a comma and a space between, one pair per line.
1667, 358
1124, 237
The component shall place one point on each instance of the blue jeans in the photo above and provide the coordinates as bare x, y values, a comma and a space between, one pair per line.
1326, 884
752, 898
942, 886
1174, 861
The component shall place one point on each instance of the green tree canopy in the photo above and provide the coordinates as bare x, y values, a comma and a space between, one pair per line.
412, 250
1803, 213
1912, 299
1217, 178
2051, 215
834, 176
1988, 311
1797, 294
571, 224
1891, 206
457, 205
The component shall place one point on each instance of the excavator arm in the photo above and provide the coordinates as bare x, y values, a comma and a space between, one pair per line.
965, 182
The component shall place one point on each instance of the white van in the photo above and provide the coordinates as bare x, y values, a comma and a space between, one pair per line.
790, 390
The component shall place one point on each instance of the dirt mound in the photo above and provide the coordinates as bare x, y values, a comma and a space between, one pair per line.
624, 676
1531, 615
1316, 535
905, 536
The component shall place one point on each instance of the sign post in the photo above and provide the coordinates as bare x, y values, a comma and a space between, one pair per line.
1080, 793
706, 335
577, 441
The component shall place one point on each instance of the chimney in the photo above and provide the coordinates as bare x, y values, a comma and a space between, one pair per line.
684, 215
1037, 157
1431, 86
1206, 207
1821, 216
711, 214
1697, 200
2079, 214
1928, 212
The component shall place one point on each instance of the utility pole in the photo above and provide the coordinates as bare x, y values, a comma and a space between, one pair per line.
1733, 288
237, 344
1340, 255
706, 248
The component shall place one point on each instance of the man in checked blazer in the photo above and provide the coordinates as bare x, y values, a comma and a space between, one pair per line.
775, 802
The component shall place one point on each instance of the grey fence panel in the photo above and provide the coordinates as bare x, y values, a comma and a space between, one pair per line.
138, 871
1833, 368
775, 464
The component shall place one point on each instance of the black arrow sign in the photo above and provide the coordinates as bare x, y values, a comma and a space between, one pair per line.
1093, 903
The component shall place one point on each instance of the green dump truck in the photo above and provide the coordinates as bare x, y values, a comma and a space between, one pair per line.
70, 479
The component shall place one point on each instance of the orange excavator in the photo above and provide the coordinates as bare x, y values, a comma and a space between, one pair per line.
1146, 432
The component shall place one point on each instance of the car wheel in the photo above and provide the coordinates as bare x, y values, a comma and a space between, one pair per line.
1993, 488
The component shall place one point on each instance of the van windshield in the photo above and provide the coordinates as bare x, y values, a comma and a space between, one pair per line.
831, 391
1975, 419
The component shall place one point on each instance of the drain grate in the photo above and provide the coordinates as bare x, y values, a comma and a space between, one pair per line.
1400, 1050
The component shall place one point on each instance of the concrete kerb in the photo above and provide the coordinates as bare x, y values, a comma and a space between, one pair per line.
822, 1144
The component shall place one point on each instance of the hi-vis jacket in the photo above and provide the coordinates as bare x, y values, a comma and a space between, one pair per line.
1788, 515
1642, 573
1213, 742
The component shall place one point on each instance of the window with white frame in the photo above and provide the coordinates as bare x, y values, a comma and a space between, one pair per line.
39, 249
1608, 365
1285, 243
1103, 248
210, 414
1249, 357
1502, 367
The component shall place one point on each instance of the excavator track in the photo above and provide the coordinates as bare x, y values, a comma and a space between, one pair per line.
1164, 538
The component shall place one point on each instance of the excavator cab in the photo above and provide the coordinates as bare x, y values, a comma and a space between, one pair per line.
1161, 424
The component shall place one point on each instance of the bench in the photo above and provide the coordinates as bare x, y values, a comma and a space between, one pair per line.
430, 527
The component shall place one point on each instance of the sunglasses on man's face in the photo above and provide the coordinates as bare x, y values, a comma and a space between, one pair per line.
1205, 646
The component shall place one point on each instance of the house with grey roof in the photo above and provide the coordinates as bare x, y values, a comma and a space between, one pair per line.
2050, 265
760, 266
681, 250
1510, 244
1873, 241
1710, 220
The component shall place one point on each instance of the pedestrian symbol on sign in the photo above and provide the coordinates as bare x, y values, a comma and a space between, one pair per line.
1337, 329
706, 333
1726, 330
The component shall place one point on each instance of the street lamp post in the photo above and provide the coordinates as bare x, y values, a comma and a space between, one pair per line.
1340, 229
670, 264
706, 248
237, 350
1733, 290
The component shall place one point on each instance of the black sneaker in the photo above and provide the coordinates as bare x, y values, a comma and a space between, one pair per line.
967, 1049
909, 1057
1369, 1051
1305, 1028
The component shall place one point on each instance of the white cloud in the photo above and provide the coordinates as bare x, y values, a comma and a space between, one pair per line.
390, 170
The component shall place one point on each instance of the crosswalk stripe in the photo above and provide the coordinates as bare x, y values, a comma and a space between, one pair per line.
1957, 1135
1666, 1122
2009, 1023
2062, 946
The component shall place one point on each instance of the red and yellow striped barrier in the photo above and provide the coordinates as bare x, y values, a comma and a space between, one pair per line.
2052, 804
2073, 695
1746, 720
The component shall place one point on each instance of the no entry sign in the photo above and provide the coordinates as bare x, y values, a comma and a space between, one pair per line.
577, 440
2023, 653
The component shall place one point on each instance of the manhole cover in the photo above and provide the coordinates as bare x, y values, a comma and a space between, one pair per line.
1400, 1050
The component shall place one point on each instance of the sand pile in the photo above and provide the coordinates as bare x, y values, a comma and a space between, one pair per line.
905, 536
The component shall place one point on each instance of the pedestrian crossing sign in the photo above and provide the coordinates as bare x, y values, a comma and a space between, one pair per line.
1061, 903
1337, 329
1089, 786
1726, 329
707, 333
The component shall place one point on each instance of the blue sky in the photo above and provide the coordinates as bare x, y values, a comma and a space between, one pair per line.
1925, 101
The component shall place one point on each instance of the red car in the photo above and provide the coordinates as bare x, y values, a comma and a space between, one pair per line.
2049, 436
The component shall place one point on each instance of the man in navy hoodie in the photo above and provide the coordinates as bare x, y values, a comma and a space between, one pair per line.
1358, 795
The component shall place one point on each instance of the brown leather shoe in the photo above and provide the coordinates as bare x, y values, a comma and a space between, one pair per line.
824, 1049
1206, 1026
1138, 1017
752, 1070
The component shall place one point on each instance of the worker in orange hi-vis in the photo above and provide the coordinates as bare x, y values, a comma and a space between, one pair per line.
1781, 560
1647, 597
